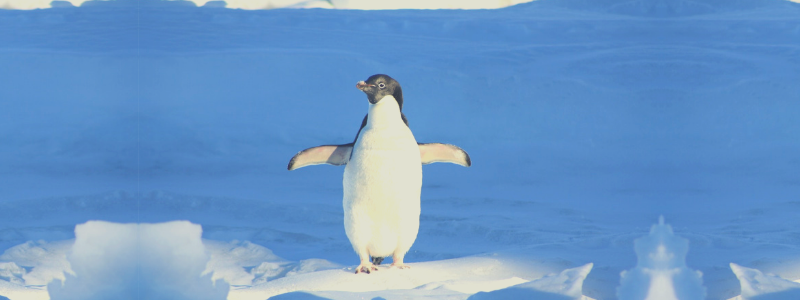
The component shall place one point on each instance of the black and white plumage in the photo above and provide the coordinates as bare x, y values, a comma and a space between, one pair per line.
382, 176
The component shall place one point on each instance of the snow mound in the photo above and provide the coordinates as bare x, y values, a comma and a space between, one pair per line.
759, 286
34, 4
230, 261
106, 258
14, 291
565, 285
661, 272
47, 262
113, 261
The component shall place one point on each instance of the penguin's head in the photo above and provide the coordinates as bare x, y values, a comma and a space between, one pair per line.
378, 86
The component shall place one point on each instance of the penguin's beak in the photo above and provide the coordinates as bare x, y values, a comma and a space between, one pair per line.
363, 85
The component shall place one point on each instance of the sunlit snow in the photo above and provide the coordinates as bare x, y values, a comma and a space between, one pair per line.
759, 286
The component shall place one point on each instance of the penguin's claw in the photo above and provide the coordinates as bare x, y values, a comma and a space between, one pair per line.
366, 268
399, 266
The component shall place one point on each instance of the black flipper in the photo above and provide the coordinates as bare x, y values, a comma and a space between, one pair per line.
438, 152
336, 155
363, 123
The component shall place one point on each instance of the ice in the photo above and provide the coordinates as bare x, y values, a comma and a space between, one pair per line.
138, 261
34, 4
228, 261
171, 261
14, 291
111, 260
661, 272
47, 260
566, 285
448, 278
423, 4
367, 4
759, 286
27, 269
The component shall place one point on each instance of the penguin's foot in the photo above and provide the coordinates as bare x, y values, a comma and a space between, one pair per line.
366, 267
399, 266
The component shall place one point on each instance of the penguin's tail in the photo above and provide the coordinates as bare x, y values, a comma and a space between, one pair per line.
377, 260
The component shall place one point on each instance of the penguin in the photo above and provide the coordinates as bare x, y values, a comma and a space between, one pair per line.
382, 179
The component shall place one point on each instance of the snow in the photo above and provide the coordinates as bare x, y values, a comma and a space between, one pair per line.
34, 4
585, 121
272, 4
128, 261
454, 277
173, 262
47, 260
661, 272
566, 285
757, 285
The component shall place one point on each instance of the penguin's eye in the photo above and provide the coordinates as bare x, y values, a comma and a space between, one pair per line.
381, 85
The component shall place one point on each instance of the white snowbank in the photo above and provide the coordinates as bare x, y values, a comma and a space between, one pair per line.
153, 261
661, 272
565, 285
229, 260
14, 291
113, 261
759, 286
34, 4
47, 262
336, 4
368, 4
172, 258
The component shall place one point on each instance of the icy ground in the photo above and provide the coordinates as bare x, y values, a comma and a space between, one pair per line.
585, 121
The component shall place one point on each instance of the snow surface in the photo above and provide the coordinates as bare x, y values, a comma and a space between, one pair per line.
170, 261
585, 121
760, 286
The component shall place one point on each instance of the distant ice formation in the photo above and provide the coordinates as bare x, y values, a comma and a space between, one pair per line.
759, 286
336, 4
661, 272
34, 4
367, 4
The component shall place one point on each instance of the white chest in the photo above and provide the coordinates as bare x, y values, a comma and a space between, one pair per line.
385, 162
382, 185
